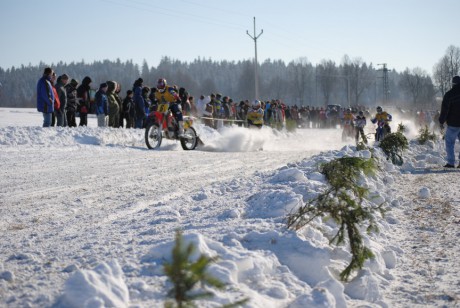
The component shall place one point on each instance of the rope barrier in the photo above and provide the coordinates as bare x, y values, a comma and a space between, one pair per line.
224, 120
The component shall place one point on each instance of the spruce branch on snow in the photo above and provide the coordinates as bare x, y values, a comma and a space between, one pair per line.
425, 135
393, 146
186, 275
343, 202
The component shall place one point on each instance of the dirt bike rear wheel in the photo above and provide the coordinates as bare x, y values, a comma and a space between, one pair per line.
344, 136
153, 136
190, 139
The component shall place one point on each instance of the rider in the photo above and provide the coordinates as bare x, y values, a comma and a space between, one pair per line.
360, 122
348, 124
382, 118
348, 117
168, 99
255, 115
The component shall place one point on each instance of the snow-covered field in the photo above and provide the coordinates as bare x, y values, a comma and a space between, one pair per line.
89, 215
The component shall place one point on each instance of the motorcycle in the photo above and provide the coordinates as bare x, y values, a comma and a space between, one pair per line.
162, 124
348, 130
383, 129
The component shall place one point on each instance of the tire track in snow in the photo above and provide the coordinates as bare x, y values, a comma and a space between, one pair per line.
430, 229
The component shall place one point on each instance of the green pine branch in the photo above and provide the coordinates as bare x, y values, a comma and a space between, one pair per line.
187, 276
425, 135
343, 202
393, 145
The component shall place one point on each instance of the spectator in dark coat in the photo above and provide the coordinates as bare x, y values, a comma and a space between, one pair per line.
450, 114
114, 107
147, 101
45, 96
129, 109
120, 105
84, 100
139, 102
72, 103
61, 117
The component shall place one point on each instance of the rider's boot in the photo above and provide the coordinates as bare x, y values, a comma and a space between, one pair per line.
181, 128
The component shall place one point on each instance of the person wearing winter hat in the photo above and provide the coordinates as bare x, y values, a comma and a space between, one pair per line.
114, 107
139, 103
61, 116
129, 109
72, 103
450, 114
45, 96
84, 100
74, 83
102, 106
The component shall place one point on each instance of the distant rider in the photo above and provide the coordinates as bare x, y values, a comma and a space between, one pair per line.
168, 99
360, 122
382, 118
255, 115
348, 119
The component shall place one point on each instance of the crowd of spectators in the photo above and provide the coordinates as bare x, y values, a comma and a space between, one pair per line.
62, 99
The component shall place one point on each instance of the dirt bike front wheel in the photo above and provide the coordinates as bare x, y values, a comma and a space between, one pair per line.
379, 135
190, 139
153, 136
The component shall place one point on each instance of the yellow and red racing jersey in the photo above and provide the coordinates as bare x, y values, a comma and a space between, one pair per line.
348, 118
382, 117
256, 116
169, 95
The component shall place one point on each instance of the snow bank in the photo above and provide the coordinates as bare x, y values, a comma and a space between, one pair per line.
34, 136
102, 287
254, 271
304, 256
59, 226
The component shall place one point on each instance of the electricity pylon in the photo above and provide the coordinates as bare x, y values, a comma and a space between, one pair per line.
256, 74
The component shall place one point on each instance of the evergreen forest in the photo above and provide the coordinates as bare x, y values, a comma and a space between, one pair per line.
349, 83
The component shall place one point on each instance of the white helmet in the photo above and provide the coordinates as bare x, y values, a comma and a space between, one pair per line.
256, 104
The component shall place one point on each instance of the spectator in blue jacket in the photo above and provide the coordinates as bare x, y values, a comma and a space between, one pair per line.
102, 106
450, 114
45, 96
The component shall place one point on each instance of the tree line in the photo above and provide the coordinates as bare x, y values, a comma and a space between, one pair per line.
351, 82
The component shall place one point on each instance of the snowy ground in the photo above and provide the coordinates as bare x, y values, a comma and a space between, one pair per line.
88, 215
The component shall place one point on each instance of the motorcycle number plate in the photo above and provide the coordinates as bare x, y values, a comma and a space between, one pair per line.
163, 107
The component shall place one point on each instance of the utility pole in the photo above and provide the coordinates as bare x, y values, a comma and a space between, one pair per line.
256, 75
386, 88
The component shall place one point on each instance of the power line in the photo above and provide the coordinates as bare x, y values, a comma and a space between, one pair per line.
148, 7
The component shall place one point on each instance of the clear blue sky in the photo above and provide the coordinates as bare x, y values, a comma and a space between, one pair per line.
401, 33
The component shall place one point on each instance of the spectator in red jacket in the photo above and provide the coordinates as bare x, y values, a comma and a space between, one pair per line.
57, 102
61, 117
